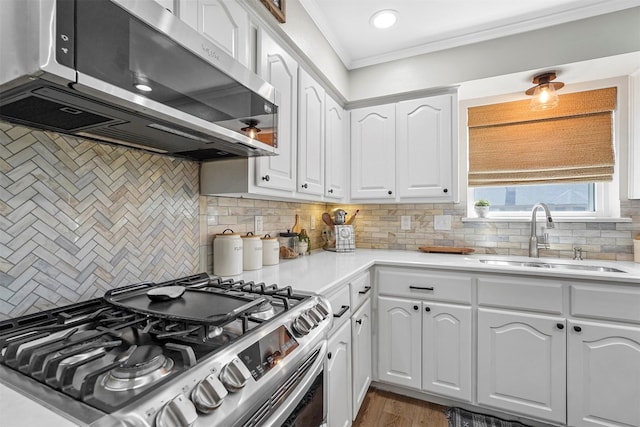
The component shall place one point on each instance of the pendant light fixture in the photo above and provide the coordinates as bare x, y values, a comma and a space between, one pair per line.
544, 91
251, 130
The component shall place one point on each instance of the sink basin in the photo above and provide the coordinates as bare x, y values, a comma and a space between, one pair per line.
552, 265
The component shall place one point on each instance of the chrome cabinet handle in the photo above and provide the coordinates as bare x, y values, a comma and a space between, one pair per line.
422, 288
342, 311
366, 289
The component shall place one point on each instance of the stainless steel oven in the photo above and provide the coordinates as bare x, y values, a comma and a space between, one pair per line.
191, 352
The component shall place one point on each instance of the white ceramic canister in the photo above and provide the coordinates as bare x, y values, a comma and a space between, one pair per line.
251, 252
270, 250
227, 253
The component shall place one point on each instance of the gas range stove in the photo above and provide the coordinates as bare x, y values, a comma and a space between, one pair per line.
193, 351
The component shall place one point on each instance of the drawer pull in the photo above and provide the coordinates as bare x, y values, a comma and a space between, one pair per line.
342, 311
560, 325
329, 355
366, 289
422, 288
415, 307
577, 328
359, 321
427, 309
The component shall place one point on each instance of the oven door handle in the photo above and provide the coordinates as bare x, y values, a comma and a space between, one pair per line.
281, 414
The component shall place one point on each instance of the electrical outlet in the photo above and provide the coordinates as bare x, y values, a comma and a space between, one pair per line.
442, 222
312, 222
257, 225
405, 223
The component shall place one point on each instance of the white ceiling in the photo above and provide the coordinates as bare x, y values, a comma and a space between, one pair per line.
429, 25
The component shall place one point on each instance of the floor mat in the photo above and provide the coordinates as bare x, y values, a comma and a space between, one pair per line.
461, 418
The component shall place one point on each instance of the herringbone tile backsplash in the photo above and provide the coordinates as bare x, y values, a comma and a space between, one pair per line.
78, 218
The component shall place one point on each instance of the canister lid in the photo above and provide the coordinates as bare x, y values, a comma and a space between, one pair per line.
225, 234
250, 236
288, 234
268, 237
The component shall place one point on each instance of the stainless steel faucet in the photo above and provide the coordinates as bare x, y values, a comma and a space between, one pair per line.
533, 238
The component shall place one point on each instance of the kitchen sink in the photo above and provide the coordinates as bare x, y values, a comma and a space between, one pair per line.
552, 265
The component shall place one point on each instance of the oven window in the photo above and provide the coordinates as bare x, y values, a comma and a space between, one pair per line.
310, 410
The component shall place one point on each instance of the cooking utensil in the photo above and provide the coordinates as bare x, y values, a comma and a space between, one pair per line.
327, 219
353, 217
165, 293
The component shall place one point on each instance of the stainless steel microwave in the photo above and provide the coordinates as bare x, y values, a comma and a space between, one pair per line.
129, 72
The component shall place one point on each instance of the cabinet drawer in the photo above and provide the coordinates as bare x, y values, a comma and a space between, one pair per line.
606, 302
515, 292
360, 290
339, 301
424, 284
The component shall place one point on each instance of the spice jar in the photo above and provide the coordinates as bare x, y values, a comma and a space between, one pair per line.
227, 253
270, 250
251, 252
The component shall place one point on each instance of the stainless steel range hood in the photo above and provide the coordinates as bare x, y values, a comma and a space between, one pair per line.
129, 72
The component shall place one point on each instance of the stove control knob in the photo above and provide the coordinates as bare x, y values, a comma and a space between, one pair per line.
302, 324
322, 309
208, 394
179, 412
235, 375
315, 315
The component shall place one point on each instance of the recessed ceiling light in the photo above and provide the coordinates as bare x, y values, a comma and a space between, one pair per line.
384, 18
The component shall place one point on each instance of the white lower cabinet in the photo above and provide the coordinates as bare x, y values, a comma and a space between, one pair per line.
399, 341
361, 354
603, 375
522, 363
338, 372
446, 350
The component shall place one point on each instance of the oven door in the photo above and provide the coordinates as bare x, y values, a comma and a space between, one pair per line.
303, 396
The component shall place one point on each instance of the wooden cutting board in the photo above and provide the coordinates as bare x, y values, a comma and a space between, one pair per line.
446, 250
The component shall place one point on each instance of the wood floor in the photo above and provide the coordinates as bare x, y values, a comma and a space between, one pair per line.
382, 408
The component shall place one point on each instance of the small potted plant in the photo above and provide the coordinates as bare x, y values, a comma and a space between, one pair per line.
482, 208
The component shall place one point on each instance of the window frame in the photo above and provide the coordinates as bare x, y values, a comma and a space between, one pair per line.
607, 194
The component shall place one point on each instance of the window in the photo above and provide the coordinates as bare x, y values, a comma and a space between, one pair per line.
563, 157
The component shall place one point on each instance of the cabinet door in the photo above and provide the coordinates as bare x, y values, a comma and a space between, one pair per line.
311, 135
424, 147
603, 374
338, 369
399, 326
522, 363
224, 22
373, 153
335, 162
361, 340
446, 350
278, 68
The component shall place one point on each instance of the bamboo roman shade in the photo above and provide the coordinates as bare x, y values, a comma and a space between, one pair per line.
511, 145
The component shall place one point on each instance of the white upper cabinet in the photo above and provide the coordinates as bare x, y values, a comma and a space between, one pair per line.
336, 150
277, 67
424, 147
404, 151
224, 22
373, 152
311, 135
634, 140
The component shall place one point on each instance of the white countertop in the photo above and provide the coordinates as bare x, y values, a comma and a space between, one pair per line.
321, 271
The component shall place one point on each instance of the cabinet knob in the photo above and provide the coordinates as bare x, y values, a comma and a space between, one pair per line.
560, 325
266, 178
359, 321
415, 307
389, 192
329, 355
427, 309
330, 191
446, 190
577, 328
304, 185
